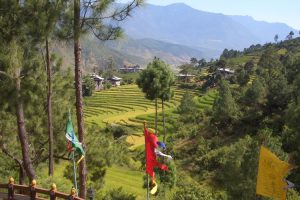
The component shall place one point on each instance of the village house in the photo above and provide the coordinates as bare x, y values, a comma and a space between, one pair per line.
115, 81
225, 72
130, 69
98, 81
185, 77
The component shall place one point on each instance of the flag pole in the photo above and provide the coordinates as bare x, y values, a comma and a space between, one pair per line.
146, 164
74, 171
148, 187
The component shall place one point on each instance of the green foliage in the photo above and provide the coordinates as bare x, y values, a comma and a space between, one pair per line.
190, 192
238, 169
118, 131
278, 89
188, 109
156, 80
88, 86
225, 109
168, 179
256, 94
269, 60
187, 104
230, 53
119, 194
107, 85
242, 77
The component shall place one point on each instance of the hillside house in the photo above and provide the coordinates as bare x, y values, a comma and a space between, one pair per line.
130, 69
225, 72
185, 77
98, 81
115, 81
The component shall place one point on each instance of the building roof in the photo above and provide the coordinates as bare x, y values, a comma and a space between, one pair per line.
185, 75
225, 70
115, 78
96, 77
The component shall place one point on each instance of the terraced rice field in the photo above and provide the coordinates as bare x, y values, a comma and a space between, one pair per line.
130, 181
127, 106
207, 100
122, 105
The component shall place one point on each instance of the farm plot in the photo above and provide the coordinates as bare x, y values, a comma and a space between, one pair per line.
122, 105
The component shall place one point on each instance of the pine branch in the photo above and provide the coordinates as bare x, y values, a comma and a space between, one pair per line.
62, 157
6, 152
6, 74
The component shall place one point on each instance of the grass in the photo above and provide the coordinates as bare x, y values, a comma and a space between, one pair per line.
207, 100
63, 184
131, 181
242, 60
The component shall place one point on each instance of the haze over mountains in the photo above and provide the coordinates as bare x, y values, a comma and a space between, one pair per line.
177, 32
181, 24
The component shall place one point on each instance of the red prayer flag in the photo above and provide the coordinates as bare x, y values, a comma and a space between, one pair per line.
150, 145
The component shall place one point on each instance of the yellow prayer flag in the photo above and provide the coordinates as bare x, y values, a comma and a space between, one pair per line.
271, 174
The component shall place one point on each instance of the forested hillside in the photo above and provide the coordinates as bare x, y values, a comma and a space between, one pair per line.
256, 106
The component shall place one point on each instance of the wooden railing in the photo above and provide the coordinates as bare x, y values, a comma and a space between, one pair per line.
22, 192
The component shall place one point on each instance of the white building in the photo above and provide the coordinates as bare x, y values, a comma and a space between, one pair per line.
98, 81
115, 81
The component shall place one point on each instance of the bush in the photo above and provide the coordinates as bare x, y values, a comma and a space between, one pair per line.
190, 192
119, 194
107, 85
188, 86
88, 86
118, 131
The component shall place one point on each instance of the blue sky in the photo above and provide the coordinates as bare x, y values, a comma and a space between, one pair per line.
286, 11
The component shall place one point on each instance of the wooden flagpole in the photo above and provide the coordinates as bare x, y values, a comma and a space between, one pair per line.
148, 198
74, 171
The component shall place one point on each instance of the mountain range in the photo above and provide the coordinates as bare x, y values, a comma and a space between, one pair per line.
181, 24
177, 32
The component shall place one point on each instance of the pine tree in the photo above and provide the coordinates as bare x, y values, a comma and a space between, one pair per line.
90, 16
225, 109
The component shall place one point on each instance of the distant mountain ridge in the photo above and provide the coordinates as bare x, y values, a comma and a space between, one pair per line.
175, 33
149, 48
264, 30
127, 51
182, 24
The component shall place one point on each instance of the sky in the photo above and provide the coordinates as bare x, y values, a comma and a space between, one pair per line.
286, 11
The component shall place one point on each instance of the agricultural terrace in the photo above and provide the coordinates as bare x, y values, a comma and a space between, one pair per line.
127, 106
122, 105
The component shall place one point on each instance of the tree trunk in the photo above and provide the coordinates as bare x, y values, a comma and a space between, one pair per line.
79, 103
21, 175
164, 119
22, 130
156, 132
49, 109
